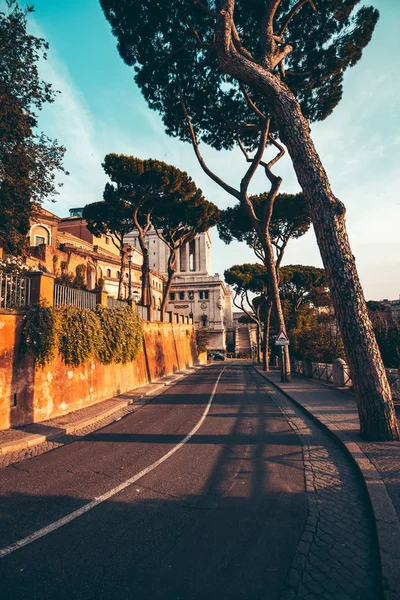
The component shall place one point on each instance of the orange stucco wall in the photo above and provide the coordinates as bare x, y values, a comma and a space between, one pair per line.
58, 389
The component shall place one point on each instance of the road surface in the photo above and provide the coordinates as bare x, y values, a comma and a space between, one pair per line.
199, 495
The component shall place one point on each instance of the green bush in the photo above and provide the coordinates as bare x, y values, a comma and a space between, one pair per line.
80, 335
39, 333
122, 335
113, 335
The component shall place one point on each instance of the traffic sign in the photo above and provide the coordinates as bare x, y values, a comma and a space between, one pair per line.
282, 339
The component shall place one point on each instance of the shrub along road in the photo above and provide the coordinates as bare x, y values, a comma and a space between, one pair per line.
200, 494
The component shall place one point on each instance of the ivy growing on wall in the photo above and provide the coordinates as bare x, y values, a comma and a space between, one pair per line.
122, 335
112, 335
39, 333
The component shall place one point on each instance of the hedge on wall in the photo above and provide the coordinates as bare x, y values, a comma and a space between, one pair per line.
122, 335
113, 335
39, 333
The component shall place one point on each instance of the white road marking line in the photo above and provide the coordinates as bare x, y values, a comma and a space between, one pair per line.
84, 509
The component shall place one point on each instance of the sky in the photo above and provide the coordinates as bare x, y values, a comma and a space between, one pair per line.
101, 110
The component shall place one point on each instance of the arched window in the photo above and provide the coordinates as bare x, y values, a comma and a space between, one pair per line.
154, 301
108, 272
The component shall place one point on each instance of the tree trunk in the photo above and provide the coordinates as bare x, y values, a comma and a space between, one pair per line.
269, 263
121, 274
258, 334
145, 300
274, 297
171, 270
374, 401
267, 322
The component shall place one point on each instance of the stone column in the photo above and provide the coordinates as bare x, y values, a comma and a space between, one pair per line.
187, 257
198, 263
42, 287
338, 372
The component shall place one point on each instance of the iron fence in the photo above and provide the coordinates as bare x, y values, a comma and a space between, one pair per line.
156, 315
15, 290
64, 295
322, 372
115, 303
393, 379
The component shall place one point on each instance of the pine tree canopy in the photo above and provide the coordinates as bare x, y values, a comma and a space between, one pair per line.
172, 47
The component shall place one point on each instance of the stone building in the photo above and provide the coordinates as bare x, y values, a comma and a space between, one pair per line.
194, 290
57, 242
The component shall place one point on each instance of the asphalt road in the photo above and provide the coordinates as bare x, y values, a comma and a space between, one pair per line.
220, 518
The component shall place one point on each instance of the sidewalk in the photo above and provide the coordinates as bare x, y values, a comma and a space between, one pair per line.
29, 440
379, 462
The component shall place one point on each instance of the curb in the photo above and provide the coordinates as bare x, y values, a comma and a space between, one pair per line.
154, 389
387, 523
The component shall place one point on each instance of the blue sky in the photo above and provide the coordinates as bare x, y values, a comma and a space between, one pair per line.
101, 110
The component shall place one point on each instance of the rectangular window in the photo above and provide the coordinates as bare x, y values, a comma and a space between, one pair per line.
206, 295
107, 240
39, 240
201, 295
172, 296
181, 295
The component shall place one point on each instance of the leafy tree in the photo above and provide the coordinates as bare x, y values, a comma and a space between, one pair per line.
28, 159
252, 279
141, 185
112, 217
178, 219
300, 283
388, 337
290, 220
261, 68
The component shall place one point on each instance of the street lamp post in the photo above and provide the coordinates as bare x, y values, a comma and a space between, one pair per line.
129, 252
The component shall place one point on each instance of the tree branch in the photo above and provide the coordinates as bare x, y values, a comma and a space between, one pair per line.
244, 184
202, 163
294, 10
251, 103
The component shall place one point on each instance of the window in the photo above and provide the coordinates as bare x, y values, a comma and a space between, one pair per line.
191, 295
39, 240
204, 321
107, 240
118, 274
172, 296
181, 295
126, 275
108, 272
203, 294
206, 295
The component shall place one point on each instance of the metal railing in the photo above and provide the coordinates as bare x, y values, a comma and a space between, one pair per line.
115, 303
15, 290
64, 295
156, 316
322, 372
394, 382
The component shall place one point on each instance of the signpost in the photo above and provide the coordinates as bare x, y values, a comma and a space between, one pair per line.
282, 340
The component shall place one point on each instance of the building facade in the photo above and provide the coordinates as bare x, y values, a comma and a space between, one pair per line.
57, 243
194, 290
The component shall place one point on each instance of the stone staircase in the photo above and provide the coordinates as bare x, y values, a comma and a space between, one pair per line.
243, 342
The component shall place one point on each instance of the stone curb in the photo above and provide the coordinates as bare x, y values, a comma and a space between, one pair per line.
386, 520
154, 389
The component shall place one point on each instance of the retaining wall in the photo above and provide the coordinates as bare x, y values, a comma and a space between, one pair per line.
29, 395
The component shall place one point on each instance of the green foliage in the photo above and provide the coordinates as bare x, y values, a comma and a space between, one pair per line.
122, 335
202, 336
80, 335
39, 333
388, 338
315, 336
172, 44
112, 335
301, 283
290, 220
80, 277
28, 159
